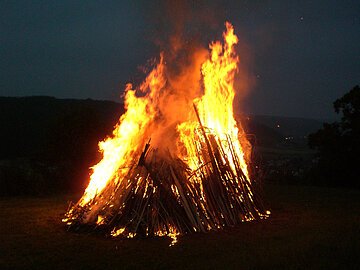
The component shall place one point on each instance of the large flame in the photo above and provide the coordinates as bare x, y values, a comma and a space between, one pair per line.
128, 135
216, 105
176, 112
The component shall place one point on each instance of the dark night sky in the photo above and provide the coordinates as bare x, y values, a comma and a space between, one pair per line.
304, 54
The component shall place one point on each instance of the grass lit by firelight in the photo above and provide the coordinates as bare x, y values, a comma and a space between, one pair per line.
310, 228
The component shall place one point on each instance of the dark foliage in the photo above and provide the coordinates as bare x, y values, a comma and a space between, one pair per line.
338, 145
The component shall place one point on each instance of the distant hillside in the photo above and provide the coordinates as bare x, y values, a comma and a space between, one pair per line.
260, 134
29, 125
288, 126
275, 131
27, 122
48, 144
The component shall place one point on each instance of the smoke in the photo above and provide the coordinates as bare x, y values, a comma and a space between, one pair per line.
183, 31
161, 108
175, 23
245, 79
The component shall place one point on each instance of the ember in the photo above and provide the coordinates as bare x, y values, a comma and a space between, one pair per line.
177, 161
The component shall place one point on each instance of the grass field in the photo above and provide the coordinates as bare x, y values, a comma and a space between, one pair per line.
310, 228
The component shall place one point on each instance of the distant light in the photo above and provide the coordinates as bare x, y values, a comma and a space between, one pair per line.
278, 126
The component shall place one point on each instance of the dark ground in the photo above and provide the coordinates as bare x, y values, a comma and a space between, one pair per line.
310, 228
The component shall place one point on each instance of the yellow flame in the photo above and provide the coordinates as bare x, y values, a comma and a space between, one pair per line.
143, 109
128, 135
116, 232
100, 220
215, 110
216, 105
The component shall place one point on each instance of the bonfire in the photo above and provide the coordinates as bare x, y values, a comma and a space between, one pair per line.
177, 161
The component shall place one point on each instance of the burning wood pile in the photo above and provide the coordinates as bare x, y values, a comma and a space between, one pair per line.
177, 161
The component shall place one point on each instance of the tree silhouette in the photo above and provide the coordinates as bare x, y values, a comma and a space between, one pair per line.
338, 144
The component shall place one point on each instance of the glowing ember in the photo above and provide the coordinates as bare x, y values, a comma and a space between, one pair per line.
193, 174
116, 232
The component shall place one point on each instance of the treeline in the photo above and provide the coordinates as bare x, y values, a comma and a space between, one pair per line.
338, 145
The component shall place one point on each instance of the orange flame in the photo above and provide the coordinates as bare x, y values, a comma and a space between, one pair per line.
163, 109
128, 135
216, 105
